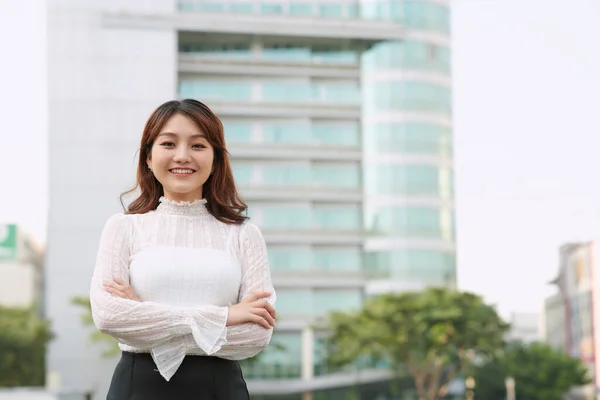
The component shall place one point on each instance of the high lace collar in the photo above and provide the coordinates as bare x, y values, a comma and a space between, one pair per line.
191, 209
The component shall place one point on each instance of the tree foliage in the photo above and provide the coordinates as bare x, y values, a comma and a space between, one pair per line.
432, 335
111, 346
540, 373
23, 339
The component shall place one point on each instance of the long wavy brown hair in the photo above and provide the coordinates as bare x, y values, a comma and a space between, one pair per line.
223, 200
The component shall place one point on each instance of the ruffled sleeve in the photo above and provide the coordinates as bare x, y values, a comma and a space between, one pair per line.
247, 340
146, 324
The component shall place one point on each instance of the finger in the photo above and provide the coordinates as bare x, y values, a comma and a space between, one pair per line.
265, 315
256, 295
260, 321
120, 281
118, 293
132, 295
114, 285
264, 303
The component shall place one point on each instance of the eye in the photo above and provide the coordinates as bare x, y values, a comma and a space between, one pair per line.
199, 146
167, 144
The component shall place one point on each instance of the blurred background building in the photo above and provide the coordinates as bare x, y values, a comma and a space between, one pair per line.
337, 115
525, 327
578, 284
21, 269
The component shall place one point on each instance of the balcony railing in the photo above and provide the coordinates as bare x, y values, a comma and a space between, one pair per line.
420, 15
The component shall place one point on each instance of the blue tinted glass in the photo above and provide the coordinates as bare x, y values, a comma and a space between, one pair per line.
427, 266
302, 8
281, 359
285, 216
237, 132
244, 8
242, 173
410, 180
413, 96
331, 10
413, 221
271, 8
337, 300
337, 218
294, 302
339, 176
289, 259
285, 133
286, 91
345, 135
408, 54
286, 175
216, 90
409, 138
337, 259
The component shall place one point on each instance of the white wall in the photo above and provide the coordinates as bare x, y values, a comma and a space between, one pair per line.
104, 83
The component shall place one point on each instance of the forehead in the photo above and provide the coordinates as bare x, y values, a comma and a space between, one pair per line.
181, 125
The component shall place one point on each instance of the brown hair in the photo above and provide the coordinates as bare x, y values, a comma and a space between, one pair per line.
223, 200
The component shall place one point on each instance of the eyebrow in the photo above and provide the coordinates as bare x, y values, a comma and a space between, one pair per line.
194, 136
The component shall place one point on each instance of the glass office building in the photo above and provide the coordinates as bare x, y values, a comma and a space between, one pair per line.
337, 116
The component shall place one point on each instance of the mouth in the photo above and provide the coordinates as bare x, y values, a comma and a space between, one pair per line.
182, 171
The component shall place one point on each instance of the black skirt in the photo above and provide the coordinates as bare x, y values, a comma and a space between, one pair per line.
198, 378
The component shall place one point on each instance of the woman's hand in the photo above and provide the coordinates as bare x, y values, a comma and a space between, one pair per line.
256, 308
121, 289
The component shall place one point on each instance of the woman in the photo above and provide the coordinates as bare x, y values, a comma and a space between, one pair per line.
181, 280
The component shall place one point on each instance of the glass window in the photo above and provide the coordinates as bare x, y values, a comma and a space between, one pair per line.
215, 90
290, 259
411, 96
242, 173
331, 10
339, 300
337, 217
410, 180
282, 132
302, 9
328, 175
425, 15
410, 137
294, 302
428, 266
340, 259
286, 53
426, 222
281, 359
286, 175
237, 132
282, 216
271, 8
336, 134
409, 54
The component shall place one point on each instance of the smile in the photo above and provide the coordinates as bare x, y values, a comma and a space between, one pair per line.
182, 171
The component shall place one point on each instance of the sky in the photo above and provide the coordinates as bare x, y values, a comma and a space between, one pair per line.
526, 89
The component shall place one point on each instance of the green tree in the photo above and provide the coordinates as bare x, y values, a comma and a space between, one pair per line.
111, 347
433, 336
540, 373
23, 339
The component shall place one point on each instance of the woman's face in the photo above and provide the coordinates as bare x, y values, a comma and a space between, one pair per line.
181, 159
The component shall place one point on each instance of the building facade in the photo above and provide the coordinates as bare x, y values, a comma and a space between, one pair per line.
525, 327
337, 115
578, 282
21, 269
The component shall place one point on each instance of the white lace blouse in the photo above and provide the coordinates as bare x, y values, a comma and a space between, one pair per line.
187, 267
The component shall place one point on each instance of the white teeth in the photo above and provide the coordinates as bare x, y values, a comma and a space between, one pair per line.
182, 171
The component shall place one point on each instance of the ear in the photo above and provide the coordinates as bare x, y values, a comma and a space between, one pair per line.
149, 161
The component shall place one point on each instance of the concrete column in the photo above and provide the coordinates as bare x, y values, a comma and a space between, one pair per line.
307, 358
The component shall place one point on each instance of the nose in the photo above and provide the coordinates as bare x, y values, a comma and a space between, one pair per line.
181, 155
